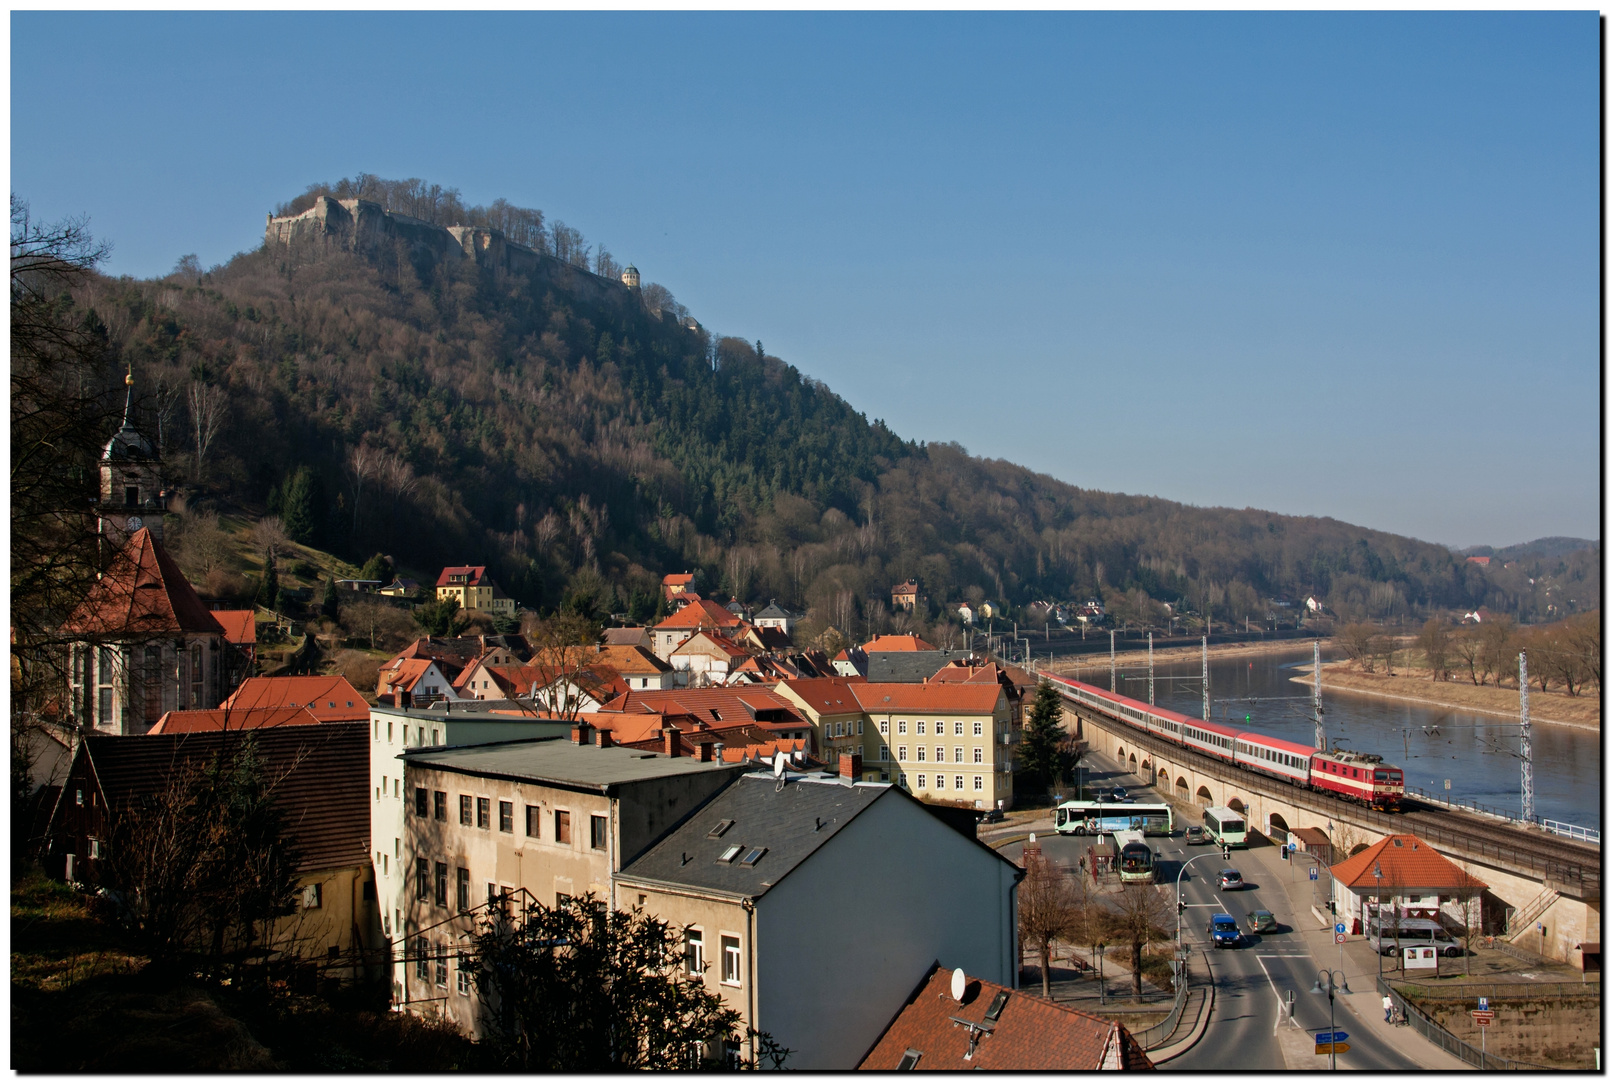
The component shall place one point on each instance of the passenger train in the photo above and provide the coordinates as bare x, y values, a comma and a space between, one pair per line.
1364, 778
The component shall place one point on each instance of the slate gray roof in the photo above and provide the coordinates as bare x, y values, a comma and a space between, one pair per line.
909, 666
790, 824
559, 762
773, 611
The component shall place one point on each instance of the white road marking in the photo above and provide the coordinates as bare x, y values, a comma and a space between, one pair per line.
1279, 1005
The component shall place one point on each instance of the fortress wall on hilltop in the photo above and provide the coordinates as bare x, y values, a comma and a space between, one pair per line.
364, 227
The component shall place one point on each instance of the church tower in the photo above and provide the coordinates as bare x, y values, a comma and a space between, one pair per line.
131, 483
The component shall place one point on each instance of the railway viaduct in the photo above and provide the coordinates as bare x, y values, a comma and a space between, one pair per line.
1541, 879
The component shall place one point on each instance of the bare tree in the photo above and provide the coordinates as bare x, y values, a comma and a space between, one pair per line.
1357, 640
1047, 908
379, 622
741, 563
270, 539
1437, 646
843, 610
166, 395
362, 464
208, 405
1137, 918
562, 656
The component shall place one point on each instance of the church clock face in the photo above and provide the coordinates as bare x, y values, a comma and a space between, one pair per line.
136, 523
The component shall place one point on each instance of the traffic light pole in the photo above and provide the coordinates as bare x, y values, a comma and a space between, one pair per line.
1179, 903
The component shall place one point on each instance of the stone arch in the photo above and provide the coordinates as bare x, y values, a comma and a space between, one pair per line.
1162, 779
1204, 796
1237, 805
1358, 848
1182, 788
1148, 771
1133, 764
1120, 755
1278, 822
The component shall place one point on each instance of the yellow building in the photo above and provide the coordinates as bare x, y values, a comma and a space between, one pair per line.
473, 590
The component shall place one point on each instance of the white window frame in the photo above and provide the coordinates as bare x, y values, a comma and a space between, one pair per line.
693, 960
883, 727
978, 755
902, 727
922, 780
902, 753
978, 727
734, 953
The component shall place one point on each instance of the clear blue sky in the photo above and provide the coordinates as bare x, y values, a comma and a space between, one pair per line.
1335, 264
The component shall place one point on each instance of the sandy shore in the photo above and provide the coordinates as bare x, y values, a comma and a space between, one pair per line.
1551, 708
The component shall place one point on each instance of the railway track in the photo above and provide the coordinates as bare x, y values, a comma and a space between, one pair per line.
1567, 865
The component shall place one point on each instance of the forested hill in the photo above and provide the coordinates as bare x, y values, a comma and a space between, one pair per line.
582, 440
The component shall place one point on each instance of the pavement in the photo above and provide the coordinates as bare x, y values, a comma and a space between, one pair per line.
1223, 1034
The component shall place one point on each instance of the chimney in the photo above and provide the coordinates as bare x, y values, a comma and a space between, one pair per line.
673, 741
717, 752
704, 751
849, 766
605, 739
581, 733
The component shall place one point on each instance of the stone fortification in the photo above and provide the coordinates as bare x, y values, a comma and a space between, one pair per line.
367, 228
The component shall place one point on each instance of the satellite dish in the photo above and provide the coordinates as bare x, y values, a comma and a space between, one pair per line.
778, 763
958, 983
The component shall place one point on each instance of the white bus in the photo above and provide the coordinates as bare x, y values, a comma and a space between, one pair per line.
1137, 863
1225, 826
1092, 818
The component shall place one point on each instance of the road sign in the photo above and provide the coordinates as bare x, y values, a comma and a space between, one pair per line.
1327, 1036
1484, 1021
1481, 1003
1313, 873
1332, 1048
1341, 928
1482, 1014
1341, 939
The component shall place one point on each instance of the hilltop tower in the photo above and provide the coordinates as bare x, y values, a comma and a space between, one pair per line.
131, 483
631, 279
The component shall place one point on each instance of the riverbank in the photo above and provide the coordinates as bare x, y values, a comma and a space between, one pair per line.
1099, 662
1416, 686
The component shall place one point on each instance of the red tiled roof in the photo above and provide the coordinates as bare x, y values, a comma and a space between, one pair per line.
142, 594
475, 573
407, 673
716, 707
1407, 862
677, 579
330, 697
240, 627
699, 613
826, 697
181, 722
712, 641
897, 643
632, 660
930, 697
908, 588
1028, 1033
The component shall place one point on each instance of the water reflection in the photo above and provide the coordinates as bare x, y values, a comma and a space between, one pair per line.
1467, 751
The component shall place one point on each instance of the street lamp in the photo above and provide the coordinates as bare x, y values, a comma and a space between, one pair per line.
1179, 904
1101, 961
1330, 990
1380, 927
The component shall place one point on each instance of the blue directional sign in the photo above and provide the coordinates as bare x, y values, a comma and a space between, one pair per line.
1341, 928
1313, 873
1324, 1037
1481, 1003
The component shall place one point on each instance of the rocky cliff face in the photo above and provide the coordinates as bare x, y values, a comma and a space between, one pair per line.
367, 228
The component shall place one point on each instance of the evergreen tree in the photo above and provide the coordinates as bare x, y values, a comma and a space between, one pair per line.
376, 569
1044, 756
302, 506
330, 606
268, 589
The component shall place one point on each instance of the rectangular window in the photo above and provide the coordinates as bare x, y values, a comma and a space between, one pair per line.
939, 753
441, 965
902, 779
939, 781
533, 820
600, 832
902, 753
195, 677
505, 816
561, 826
422, 958
388, 730
958, 727
902, 727
463, 888
466, 810
385, 865
922, 753
440, 798
693, 951
883, 727
860, 727
922, 780
978, 783
978, 755
95, 850
483, 813
731, 961
441, 884
922, 727
463, 977
958, 783
422, 802
422, 879
883, 753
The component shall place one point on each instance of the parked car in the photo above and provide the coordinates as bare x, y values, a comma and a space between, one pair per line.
991, 816
1223, 932
1262, 922
1231, 879
1195, 834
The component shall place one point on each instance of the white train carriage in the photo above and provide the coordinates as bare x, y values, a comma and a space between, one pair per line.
1273, 757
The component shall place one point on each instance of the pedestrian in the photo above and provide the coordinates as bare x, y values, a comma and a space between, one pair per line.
1386, 1003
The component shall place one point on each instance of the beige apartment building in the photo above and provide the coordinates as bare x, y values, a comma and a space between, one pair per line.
942, 741
536, 819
